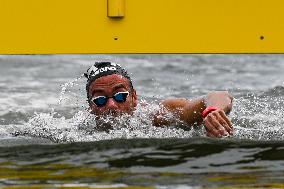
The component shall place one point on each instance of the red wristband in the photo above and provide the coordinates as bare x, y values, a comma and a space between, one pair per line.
208, 110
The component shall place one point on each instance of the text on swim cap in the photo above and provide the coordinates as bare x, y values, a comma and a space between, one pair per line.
104, 69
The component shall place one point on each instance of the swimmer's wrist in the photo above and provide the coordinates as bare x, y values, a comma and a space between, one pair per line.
208, 110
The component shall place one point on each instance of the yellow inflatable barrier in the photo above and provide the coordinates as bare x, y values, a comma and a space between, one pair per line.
141, 26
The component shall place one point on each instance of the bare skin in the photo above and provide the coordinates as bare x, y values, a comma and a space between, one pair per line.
217, 123
108, 86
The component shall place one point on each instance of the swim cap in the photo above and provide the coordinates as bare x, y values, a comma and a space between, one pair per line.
100, 69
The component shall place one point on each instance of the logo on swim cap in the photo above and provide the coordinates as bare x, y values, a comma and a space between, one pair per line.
101, 70
101, 67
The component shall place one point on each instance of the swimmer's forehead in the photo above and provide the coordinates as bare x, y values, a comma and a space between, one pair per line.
113, 81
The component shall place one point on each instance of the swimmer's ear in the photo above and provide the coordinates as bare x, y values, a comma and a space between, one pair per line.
134, 98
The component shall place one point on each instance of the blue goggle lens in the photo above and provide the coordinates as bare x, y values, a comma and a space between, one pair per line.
100, 101
118, 97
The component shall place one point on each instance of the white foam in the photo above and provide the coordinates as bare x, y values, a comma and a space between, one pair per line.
82, 127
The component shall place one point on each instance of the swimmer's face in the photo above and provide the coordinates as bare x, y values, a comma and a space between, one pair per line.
108, 86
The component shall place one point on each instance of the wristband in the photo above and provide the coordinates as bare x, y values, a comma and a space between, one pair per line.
208, 110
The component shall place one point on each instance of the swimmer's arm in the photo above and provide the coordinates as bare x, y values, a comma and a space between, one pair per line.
190, 112
179, 109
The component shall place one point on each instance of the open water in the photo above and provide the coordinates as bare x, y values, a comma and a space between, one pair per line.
48, 139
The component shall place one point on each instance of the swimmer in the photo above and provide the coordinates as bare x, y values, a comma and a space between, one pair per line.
110, 92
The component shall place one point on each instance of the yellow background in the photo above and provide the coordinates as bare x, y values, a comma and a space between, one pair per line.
149, 26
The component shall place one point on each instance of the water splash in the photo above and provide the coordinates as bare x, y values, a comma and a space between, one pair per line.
64, 88
255, 116
252, 116
259, 117
83, 127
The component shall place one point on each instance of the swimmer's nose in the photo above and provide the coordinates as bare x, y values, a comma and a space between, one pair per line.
111, 104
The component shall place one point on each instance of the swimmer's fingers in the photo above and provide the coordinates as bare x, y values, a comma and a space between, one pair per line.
212, 131
221, 121
216, 120
225, 117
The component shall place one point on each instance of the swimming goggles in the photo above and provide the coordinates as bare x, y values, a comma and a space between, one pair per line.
102, 100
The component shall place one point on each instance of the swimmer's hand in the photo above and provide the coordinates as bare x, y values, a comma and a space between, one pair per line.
217, 124
191, 112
